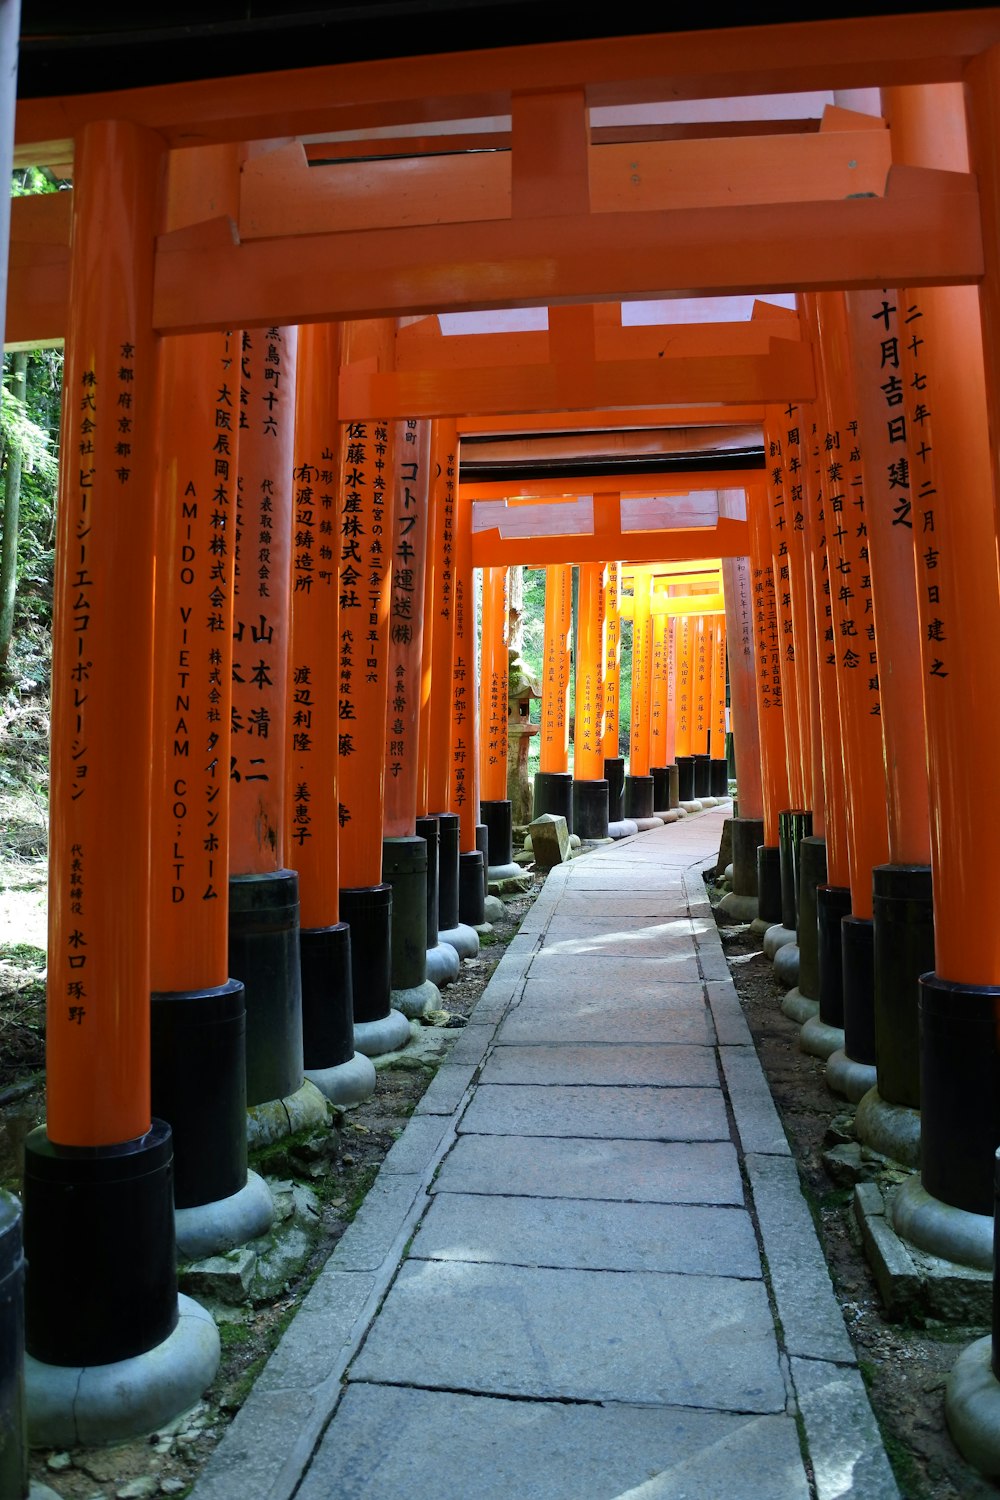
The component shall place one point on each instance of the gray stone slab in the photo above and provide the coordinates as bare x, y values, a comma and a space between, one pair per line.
639, 1113
377, 1224
258, 1455
613, 903
313, 1345
626, 1171
388, 1443
705, 1341
727, 1013
712, 962
756, 1118
587, 923
418, 1145
809, 1312
446, 1090
549, 1014
617, 946
848, 1458
659, 1066
589, 1236
576, 964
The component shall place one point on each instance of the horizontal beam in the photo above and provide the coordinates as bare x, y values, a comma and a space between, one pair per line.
204, 280
862, 52
662, 604
728, 539
600, 421
785, 374
676, 482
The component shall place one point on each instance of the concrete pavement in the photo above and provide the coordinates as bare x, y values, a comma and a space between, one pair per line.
586, 1269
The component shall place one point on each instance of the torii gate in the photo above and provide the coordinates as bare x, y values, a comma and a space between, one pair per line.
558, 218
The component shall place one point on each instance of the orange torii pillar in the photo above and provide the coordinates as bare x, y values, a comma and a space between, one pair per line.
404, 852
770, 715
590, 789
614, 761
972, 1402
365, 561
659, 748
683, 759
701, 694
825, 856
101, 1283
804, 831
434, 778
740, 904
902, 906
794, 821
719, 785
461, 831
494, 805
947, 405
639, 782
673, 631
198, 1015
263, 891
553, 787
343, 1075
851, 1065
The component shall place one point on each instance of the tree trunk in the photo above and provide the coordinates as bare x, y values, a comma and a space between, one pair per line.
11, 515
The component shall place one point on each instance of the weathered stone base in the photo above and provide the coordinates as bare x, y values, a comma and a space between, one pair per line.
912, 1282
417, 999
346, 1083
819, 1039
277, 1118
892, 1129
850, 1079
799, 1007
972, 1407
213, 1228
776, 937
786, 964
954, 1234
387, 1034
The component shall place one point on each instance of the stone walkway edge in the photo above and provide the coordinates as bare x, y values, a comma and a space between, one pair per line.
267, 1450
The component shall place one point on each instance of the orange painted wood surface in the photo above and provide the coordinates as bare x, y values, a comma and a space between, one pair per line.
493, 710
313, 843
554, 743
588, 736
411, 496
612, 662
439, 617
464, 796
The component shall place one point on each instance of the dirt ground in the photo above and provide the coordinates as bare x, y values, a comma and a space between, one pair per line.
905, 1367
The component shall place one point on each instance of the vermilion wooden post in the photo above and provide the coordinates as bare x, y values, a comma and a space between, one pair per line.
614, 761
404, 853
365, 523
770, 715
263, 891
312, 812
748, 827
553, 789
101, 1283
590, 789
198, 1015
701, 704
841, 440
902, 907
946, 414
460, 829
434, 784
682, 711
658, 715
494, 805
639, 783
717, 714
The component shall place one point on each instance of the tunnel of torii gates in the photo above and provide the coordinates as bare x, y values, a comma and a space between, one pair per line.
285, 453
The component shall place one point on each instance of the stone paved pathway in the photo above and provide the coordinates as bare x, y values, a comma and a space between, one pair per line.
586, 1270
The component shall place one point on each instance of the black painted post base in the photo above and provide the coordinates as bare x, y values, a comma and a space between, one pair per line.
824, 1034
794, 824
719, 778
740, 904
661, 788
442, 960
198, 1084
768, 885
471, 900
685, 778
553, 793
101, 1289
500, 843
404, 868
448, 838
590, 809
903, 913
264, 955
13, 1432
960, 1091
341, 1074
702, 776
367, 910
638, 797
673, 783
614, 775
483, 846
851, 1071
